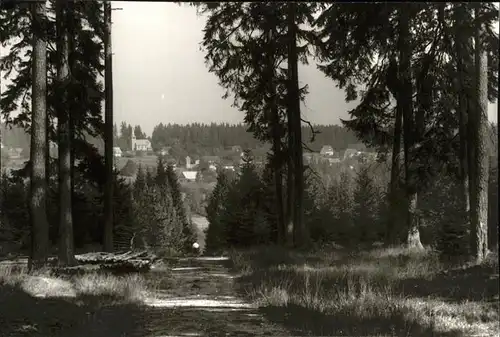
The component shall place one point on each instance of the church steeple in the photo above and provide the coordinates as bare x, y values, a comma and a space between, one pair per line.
133, 141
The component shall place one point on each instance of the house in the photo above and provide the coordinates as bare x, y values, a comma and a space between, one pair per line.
189, 164
327, 150
117, 152
189, 175
141, 144
14, 153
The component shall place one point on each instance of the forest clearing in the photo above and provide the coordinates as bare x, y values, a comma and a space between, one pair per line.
388, 226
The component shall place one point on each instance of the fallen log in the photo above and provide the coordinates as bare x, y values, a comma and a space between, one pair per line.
120, 262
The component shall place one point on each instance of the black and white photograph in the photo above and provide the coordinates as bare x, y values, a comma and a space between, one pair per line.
248, 169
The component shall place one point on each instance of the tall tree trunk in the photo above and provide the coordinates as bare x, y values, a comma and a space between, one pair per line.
391, 236
66, 250
413, 238
38, 182
464, 62
290, 188
47, 155
71, 98
478, 126
300, 232
290, 185
108, 132
276, 139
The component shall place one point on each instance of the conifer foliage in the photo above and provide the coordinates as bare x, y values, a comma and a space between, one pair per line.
161, 222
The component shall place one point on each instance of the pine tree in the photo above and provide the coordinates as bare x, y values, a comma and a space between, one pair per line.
83, 88
150, 178
373, 45
188, 232
125, 227
66, 240
251, 68
108, 134
161, 174
270, 201
244, 213
479, 156
215, 239
140, 181
38, 195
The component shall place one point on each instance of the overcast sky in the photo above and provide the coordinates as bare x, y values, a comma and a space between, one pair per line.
160, 75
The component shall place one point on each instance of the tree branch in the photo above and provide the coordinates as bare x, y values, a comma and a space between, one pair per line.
314, 132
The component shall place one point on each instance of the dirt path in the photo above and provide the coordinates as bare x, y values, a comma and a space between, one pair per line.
199, 300
192, 297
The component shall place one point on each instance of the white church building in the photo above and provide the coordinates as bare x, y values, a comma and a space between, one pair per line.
141, 144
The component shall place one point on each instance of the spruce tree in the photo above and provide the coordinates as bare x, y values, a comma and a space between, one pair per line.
243, 216
140, 182
246, 47
188, 231
373, 38
161, 174
215, 239
64, 14
38, 176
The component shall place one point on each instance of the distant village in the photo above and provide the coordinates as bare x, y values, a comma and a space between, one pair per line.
193, 168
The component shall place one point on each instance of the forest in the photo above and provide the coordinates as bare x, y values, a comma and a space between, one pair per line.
359, 246
196, 139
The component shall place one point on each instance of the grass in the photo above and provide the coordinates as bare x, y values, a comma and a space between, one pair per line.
385, 291
93, 303
44, 283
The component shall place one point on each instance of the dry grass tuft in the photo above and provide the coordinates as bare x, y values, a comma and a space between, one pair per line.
103, 286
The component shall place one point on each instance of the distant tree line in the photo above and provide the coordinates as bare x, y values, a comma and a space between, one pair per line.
200, 139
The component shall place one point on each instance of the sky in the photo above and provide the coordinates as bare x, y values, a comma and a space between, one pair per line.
160, 75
